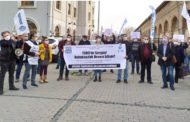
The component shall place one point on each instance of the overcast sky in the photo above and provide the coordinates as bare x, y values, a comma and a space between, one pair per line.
113, 12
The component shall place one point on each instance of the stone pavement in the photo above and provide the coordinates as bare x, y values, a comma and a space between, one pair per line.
82, 100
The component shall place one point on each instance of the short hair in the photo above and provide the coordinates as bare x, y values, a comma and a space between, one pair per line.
98, 37
84, 36
4, 32
32, 35
69, 35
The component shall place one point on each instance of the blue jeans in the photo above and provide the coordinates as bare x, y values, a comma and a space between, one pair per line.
96, 72
119, 74
187, 61
171, 75
18, 69
27, 73
134, 61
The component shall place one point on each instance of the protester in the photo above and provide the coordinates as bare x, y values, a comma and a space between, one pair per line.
187, 53
62, 43
146, 53
128, 49
84, 41
98, 71
165, 54
7, 60
135, 55
20, 45
45, 58
31, 51
179, 54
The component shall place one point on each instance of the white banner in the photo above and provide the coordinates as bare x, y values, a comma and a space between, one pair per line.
20, 22
135, 35
179, 37
185, 14
92, 57
153, 19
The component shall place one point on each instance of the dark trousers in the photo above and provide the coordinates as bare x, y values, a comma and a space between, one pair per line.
62, 65
4, 67
134, 61
43, 70
146, 66
177, 70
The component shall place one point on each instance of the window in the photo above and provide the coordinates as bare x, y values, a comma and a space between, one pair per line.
69, 10
75, 12
89, 16
89, 2
58, 5
27, 3
93, 11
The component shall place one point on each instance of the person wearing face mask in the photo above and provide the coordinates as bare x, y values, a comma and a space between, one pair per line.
135, 57
31, 51
61, 45
146, 53
84, 41
7, 60
128, 48
165, 54
20, 45
179, 54
45, 58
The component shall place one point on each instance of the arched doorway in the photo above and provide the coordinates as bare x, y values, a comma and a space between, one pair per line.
160, 30
32, 26
165, 27
174, 27
57, 31
155, 32
68, 31
184, 26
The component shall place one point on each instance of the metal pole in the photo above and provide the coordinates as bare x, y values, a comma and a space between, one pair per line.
98, 17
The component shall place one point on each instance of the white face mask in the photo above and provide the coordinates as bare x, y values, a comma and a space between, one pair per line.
46, 42
7, 38
135, 40
145, 41
69, 39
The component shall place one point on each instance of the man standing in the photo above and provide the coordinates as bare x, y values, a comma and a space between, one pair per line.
119, 75
84, 41
7, 60
165, 54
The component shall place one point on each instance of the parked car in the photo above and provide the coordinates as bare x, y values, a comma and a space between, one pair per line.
54, 42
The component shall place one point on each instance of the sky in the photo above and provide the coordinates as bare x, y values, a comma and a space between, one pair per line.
113, 12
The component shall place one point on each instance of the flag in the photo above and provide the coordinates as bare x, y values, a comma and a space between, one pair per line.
185, 14
153, 19
20, 22
124, 22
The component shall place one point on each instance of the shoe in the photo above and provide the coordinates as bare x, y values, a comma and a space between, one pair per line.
95, 79
41, 80
150, 82
111, 71
118, 81
141, 81
172, 88
164, 87
17, 80
67, 78
24, 87
14, 88
34, 85
57, 67
60, 78
125, 81
45, 79
100, 79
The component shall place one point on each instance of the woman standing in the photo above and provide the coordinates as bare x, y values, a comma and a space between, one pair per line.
45, 58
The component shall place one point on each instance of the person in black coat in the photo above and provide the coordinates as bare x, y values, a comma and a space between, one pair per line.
146, 53
165, 54
179, 54
7, 60
84, 41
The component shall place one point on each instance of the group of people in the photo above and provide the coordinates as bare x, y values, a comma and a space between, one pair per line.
36, 56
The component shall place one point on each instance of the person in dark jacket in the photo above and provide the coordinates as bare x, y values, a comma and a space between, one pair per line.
165, 54
179, 54
84, 41
135, 56
124, 40
146, 53
20, 45
61, 45
7, 60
